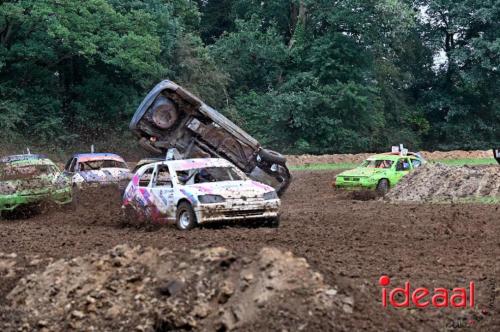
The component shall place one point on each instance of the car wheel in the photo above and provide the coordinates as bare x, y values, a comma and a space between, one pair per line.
272, 156
165, 113
273, 222
185, 218
75, 197
383, 187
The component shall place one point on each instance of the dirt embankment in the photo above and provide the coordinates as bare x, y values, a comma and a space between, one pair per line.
301, 160
442, 183
146, 289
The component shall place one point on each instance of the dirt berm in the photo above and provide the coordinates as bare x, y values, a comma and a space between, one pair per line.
442, 183
146, 289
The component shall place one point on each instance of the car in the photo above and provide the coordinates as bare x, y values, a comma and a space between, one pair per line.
28, 180
496, 154
197, 191
171, 117
95, 169
379, 172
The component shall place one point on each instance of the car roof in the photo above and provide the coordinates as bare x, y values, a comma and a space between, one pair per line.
187, 164
392, 156
97, 156
22, 157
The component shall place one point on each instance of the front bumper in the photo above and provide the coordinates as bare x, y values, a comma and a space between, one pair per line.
237, 211
359, 184
12, 202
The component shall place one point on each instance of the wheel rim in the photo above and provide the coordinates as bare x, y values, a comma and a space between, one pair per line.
184, 220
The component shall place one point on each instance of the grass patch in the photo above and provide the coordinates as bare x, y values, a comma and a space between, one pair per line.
339, 166
472, 162
323, 167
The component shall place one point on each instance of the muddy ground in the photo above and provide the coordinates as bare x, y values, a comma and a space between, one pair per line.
352, 242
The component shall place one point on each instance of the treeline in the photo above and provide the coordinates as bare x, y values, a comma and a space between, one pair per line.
302, 76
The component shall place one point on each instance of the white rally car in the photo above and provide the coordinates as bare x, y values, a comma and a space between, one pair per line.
97, 169
195, 191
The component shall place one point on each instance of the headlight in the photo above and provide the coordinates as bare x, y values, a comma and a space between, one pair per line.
210, 199
270, 195
7, 189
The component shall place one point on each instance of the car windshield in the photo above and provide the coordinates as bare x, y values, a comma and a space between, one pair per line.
208, 174
16, 172
95, 165
372, 163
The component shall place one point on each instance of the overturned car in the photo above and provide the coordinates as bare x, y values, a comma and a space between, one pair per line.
171, 117
196, 191
97, 169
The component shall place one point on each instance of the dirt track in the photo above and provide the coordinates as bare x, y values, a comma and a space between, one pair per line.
351, 242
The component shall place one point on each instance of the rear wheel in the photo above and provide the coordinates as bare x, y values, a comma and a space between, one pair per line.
383, 187
185, 218
273, 222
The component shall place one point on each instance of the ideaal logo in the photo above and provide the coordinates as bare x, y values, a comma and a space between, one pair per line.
422, 297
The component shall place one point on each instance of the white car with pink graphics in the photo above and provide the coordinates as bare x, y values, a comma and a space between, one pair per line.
196, 191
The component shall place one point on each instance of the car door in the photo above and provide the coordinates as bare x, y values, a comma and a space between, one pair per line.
163, 193
69, 169
140, 197
403, 167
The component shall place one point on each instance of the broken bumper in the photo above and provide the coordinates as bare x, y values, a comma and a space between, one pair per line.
12, 202
355, 184
242, 211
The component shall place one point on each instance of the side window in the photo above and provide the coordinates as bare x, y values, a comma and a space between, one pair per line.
403, 165
162, 177
68, 164
146, 177
416, 163
72, 166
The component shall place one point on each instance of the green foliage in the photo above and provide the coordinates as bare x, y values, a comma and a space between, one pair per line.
302, 76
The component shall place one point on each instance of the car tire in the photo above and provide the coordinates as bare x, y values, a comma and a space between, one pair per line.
272, 156
383, 187
273, 222
185, 217
165, 113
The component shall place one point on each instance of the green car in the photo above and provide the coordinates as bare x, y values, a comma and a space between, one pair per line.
380, 172
28, 180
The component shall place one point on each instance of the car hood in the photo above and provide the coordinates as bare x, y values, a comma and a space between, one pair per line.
29, 185
228, 189
105, 175
364, 172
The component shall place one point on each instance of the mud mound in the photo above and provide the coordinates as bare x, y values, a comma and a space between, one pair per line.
145, 289
442, 183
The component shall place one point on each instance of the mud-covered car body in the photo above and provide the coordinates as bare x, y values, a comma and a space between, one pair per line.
391, 167
156, 190
171, 117
96, 169
31, 179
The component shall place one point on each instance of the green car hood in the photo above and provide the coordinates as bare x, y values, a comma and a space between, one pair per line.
36, 185
364, 172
